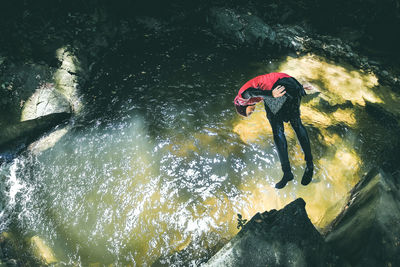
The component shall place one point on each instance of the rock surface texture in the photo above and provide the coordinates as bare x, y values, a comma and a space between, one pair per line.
277, 238
248, 30
367, 232
23, 133
36, 98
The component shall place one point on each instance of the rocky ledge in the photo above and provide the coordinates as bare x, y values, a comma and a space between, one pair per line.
244, 29
278, 238
365, 233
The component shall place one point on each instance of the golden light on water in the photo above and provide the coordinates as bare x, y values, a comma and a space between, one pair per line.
255, 127
252, 128
141, 196
311, 115
337, 171
339, 83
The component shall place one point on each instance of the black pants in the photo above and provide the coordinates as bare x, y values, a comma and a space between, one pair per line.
281, 143
290, 112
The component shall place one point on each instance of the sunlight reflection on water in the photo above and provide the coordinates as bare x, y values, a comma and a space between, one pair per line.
121, 191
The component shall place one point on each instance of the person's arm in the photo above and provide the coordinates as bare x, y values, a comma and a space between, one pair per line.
254, 92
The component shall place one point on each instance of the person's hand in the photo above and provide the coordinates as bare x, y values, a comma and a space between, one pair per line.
278, 91
308, 86
250, 110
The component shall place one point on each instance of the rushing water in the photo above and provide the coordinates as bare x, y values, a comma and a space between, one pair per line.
158, 171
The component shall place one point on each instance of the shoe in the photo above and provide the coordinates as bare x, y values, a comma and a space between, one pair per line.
308, 174
287, 176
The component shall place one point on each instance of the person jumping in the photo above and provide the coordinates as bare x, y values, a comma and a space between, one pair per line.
281, 94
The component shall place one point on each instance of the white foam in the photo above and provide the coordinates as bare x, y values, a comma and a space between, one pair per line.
14, 184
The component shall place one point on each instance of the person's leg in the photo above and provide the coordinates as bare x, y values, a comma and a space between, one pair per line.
304, 140
281, 145
302, 136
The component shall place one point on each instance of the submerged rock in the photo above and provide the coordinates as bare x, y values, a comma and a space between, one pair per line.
41, 251
277, 238
367, 231
14, 247
9, 250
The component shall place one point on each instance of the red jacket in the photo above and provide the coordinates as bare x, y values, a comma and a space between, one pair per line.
263, 82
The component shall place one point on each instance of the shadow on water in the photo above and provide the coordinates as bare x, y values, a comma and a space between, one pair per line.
159, 163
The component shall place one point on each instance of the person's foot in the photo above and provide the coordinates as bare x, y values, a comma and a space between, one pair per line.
308, 174
287, 176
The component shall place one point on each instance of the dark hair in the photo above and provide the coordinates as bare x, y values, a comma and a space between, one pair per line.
241, 110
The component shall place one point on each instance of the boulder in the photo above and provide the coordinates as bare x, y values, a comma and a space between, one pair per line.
18, 82
277, 238
246, 29
66, 78
241, 29
46, 100
367, 231
27, 131
291, 37
49, 139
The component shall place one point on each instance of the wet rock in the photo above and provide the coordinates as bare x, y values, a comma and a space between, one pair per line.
277, 238
367, 231
18, 82
291, 37
48, 140
241, 29
245, 29
151, 23
12, 263
66, 78
33, 93
385, 117
41, 251
46, 100
26, 131
25, 252
8, 244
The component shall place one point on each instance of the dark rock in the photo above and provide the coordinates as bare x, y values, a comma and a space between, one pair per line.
367, 231
291, 37
245, 29
12, 263
151, 23
241, 29
277, 238
386, 118
26, 131
18, 82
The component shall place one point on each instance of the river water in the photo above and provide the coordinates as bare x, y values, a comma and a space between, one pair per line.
157, 169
